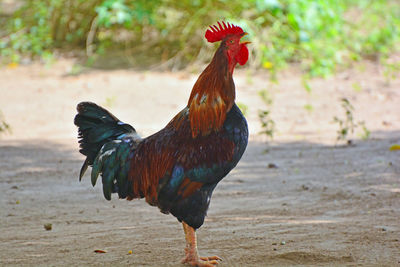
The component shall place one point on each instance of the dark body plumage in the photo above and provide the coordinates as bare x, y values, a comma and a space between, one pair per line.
188, 168
200, 164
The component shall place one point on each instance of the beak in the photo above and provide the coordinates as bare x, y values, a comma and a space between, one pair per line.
246, 42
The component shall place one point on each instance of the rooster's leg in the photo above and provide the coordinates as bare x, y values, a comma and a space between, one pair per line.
192, 256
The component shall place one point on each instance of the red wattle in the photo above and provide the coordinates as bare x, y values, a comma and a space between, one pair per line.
243, 55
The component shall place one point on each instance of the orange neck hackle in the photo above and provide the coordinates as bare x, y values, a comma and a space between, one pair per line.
213, 94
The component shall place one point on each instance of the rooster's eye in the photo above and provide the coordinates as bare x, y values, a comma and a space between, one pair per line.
231, 41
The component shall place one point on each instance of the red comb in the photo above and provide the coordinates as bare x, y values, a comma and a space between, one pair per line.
215, 34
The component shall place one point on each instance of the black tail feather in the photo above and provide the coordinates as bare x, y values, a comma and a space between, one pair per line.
97, 126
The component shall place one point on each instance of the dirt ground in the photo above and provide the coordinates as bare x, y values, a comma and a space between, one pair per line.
323, 205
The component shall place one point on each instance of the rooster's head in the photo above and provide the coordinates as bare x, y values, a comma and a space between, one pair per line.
230, 36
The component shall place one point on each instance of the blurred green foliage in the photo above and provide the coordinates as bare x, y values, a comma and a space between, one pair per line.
320, 35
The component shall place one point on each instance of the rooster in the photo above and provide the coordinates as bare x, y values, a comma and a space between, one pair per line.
177, 168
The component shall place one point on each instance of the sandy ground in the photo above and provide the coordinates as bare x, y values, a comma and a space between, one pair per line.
324, 205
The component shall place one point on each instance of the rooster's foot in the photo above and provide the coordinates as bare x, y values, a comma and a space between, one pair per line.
201, 261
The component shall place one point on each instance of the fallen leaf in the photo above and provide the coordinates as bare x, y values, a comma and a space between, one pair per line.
48, 226
394, 147
272, 166
100, 251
